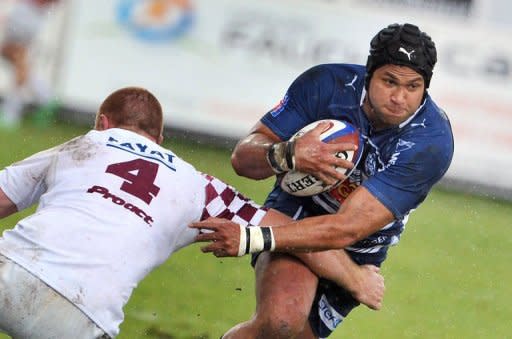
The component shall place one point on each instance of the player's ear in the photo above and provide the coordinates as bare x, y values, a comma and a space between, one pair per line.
160, 139
102, 122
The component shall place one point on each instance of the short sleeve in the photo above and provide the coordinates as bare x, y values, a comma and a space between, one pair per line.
24, 181
405, 182
302, 102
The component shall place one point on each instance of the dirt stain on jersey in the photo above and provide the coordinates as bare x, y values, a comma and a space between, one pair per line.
81, 148
77, 299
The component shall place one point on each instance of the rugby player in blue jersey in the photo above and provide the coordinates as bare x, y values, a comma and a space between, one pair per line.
408, 147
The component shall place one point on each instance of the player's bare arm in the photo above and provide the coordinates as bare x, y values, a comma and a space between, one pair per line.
308, 154
249, 158
361, 215
364, 282
7, 207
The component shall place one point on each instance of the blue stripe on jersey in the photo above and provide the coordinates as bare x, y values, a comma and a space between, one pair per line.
160, 160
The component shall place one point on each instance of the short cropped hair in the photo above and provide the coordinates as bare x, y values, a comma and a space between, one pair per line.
134, 108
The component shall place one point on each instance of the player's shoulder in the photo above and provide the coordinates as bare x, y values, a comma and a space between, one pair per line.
432, 119
335, 71
430, 130
436, 111
343, 83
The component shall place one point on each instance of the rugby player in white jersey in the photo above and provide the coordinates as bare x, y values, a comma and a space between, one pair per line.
113, 205
21, 27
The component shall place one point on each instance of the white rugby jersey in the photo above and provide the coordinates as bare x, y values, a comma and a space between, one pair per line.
113, 205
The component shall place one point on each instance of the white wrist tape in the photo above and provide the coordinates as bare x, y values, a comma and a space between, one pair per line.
255, 239
243, 241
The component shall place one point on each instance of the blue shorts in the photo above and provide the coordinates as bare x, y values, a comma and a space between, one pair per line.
332, 303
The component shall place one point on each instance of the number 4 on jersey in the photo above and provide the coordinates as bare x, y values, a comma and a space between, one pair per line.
140, 184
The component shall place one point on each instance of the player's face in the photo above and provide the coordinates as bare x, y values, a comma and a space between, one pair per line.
394, 94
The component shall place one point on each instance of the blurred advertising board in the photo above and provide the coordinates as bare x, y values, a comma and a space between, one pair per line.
217, 66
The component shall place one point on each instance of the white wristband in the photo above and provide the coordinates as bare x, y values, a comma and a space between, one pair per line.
243, 241
255, 239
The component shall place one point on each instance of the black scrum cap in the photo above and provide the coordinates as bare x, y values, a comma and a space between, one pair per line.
402, 45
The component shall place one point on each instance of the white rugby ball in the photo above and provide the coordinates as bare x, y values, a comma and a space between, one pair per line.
303, 184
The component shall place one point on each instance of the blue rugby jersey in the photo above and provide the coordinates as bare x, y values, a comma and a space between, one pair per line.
399, 165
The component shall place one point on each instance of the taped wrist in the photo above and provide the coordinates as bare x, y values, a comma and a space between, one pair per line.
281, 156
255, 239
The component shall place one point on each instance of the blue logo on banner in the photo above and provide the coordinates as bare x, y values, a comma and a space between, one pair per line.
156, 20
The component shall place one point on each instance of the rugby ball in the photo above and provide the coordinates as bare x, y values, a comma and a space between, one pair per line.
303, 184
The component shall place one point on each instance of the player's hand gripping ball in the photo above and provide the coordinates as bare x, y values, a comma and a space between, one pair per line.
303, 184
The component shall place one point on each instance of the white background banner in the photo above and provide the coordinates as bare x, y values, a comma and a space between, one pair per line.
218, 66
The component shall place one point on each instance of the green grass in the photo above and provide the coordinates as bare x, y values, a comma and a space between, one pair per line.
448, 278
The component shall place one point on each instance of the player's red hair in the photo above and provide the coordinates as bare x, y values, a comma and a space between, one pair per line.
134, 108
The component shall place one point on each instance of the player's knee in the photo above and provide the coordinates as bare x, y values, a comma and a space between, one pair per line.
278, 329
282, 326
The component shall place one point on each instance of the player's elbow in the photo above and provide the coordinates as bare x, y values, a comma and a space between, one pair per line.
237, 164
247, 167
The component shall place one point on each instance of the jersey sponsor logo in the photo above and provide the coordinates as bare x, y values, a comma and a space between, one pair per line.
372, 159
330, 317
105, 194
280, 106
351, 83
421, 124
165, 158
401, 146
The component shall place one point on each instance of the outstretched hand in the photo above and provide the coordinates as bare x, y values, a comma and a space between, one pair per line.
371, 288
318, 158
223, 236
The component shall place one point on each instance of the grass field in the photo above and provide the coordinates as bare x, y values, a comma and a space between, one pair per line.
448, 278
